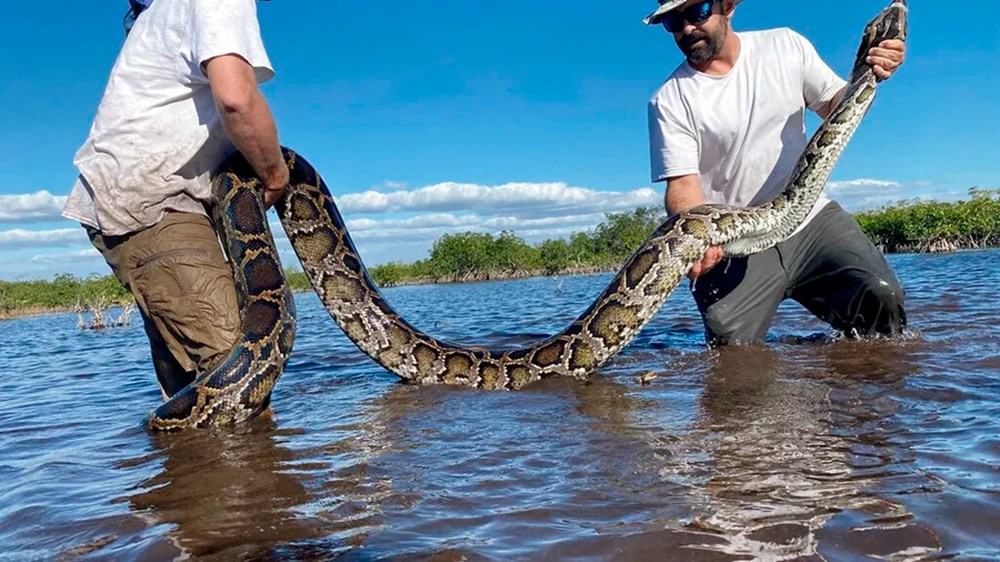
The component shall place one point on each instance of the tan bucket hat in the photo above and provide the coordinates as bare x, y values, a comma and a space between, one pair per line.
665, 6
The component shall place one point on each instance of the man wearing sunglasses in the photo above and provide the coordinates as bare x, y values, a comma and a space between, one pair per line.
182, 94
728, 127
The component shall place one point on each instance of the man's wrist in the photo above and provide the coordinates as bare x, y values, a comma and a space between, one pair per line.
276, 181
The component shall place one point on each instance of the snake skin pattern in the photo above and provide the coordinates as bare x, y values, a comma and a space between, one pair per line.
239, 388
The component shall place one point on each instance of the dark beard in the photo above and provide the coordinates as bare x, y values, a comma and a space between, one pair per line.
700, 53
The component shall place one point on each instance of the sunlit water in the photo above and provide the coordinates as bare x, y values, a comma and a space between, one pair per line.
804, 448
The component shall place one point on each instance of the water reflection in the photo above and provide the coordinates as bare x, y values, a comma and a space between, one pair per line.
789, 448
226, 494
245, 494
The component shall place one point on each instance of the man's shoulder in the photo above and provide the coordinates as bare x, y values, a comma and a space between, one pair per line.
769, 34
777, 39
672, 86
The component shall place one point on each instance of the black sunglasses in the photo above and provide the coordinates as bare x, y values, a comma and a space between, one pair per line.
674, 20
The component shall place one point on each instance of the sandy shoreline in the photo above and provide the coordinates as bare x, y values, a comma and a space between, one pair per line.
31, 312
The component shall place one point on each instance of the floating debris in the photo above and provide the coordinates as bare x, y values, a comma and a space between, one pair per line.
646, 377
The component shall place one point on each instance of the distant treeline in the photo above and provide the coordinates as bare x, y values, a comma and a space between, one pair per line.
64, 292
68, 292
474, 256
926, 226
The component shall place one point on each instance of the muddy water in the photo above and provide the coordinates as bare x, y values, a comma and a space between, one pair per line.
806, 448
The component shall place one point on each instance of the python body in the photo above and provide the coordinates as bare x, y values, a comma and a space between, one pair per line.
239, 388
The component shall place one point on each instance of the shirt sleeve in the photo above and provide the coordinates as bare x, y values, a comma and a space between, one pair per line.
230, 27
673, 145
819, 82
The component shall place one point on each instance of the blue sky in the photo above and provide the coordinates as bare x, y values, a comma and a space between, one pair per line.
447, 116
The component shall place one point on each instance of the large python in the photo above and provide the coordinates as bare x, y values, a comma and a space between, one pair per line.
239, 387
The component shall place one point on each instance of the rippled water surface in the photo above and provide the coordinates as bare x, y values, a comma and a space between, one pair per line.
804, 448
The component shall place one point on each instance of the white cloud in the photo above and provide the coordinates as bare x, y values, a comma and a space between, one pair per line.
433, 226
866, 193
82, 255
468, 222
394, 185
31, 207
388, 186
556, 223
523, 199
404, 229
862, 185
436, 220
21, 238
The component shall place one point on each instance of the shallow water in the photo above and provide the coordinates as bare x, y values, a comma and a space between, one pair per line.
803, 448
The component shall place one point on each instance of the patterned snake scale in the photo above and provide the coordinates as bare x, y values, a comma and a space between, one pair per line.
240, 386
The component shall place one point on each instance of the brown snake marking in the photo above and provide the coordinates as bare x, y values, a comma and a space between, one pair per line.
239, 388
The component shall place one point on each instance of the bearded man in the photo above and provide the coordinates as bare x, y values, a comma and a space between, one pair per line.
727, 127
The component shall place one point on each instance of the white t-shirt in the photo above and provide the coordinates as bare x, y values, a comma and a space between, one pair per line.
744, 131
157, 138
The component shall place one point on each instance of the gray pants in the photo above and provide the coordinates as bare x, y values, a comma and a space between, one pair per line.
830, 267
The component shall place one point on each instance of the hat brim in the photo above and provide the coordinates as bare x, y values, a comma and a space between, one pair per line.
657, 16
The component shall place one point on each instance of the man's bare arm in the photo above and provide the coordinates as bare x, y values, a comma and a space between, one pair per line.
247, 120
683, 193
827, 109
